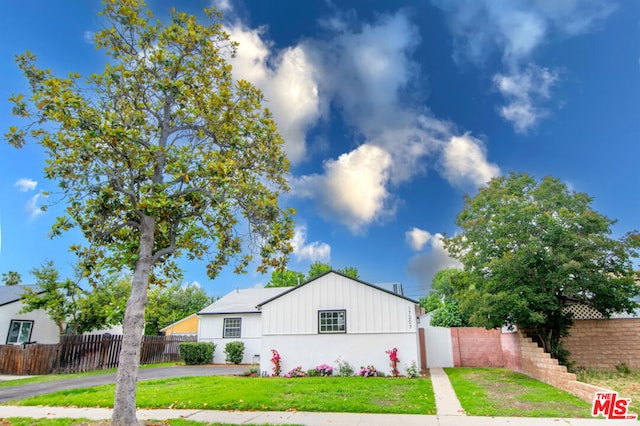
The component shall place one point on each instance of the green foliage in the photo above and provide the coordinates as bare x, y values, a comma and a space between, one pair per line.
196, 353
412, 371
286, 278
289, 278
11, 278
312, 372
449, 315
234, 352
72, 308
344, 369
168, 304
528, 246
442, 289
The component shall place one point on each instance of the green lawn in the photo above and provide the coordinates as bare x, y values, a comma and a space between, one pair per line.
501, 392
334, 394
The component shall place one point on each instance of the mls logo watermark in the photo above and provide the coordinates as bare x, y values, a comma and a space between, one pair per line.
610, 406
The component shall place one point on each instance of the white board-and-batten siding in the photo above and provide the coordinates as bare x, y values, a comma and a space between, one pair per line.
376, 321
368, 310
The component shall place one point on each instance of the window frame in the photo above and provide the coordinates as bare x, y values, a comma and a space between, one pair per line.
333, 311
226, 329
21, 324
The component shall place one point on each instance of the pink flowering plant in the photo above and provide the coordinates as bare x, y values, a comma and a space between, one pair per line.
275, 359
296, 372
368, 371
324, 370
393, 358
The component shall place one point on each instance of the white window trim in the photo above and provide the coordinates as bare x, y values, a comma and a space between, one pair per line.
226, 329
20, 339
333, 311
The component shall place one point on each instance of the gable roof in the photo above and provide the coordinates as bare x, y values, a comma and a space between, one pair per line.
242, 301
290, 289
13, 293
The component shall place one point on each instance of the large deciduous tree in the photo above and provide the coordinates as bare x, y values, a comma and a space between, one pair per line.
530, 246
160, 155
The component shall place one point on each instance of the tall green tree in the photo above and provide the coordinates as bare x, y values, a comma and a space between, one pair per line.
529, 246
11, 278
168, 304
161, 155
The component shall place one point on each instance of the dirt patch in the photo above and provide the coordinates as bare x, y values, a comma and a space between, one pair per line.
504, 395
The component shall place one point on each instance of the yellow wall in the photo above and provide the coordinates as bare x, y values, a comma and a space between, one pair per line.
187, 325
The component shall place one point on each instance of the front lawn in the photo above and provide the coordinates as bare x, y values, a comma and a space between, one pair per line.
328, 394
501, 392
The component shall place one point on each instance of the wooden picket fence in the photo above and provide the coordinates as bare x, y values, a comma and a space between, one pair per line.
76, 354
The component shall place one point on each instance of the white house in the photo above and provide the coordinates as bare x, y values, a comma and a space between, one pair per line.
332, 316
235, 317
34, 326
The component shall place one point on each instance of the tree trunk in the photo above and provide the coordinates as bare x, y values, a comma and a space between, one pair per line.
124, 404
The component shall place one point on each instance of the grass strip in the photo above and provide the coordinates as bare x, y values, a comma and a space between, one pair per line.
504, 393
54, 377
326, 394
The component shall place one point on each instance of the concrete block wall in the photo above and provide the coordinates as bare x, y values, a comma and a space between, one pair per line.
476, 347
603, 344
539, 365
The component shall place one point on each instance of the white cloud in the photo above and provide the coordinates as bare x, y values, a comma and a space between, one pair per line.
288, 80
515, 29
523, 90
417, 238
464, 162
425, 265
223, 5
353, 188
25, 184
32, 207
368, 73
315, 251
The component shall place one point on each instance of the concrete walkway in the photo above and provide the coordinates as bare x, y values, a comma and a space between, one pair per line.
449, 413
447, 403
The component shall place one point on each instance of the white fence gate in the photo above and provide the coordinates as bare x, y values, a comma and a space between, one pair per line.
438, 344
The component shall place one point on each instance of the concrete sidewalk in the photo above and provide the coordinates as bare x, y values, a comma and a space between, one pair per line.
299, 417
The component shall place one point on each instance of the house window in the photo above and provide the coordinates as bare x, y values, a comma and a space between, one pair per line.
19, 331
232, 328
332, 321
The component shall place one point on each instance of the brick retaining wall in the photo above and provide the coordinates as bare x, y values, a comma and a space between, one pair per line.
603, 344
539, 365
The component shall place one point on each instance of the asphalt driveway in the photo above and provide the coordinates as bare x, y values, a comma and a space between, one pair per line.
19, 392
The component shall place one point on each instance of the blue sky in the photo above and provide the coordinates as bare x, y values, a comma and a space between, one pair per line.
391, 112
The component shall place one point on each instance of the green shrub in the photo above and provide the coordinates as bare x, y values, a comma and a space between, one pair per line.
344, 368
234, 352
196, 353
313, 373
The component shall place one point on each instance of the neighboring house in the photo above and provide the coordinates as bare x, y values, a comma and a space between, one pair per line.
185, 327
328, 318
19, 328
